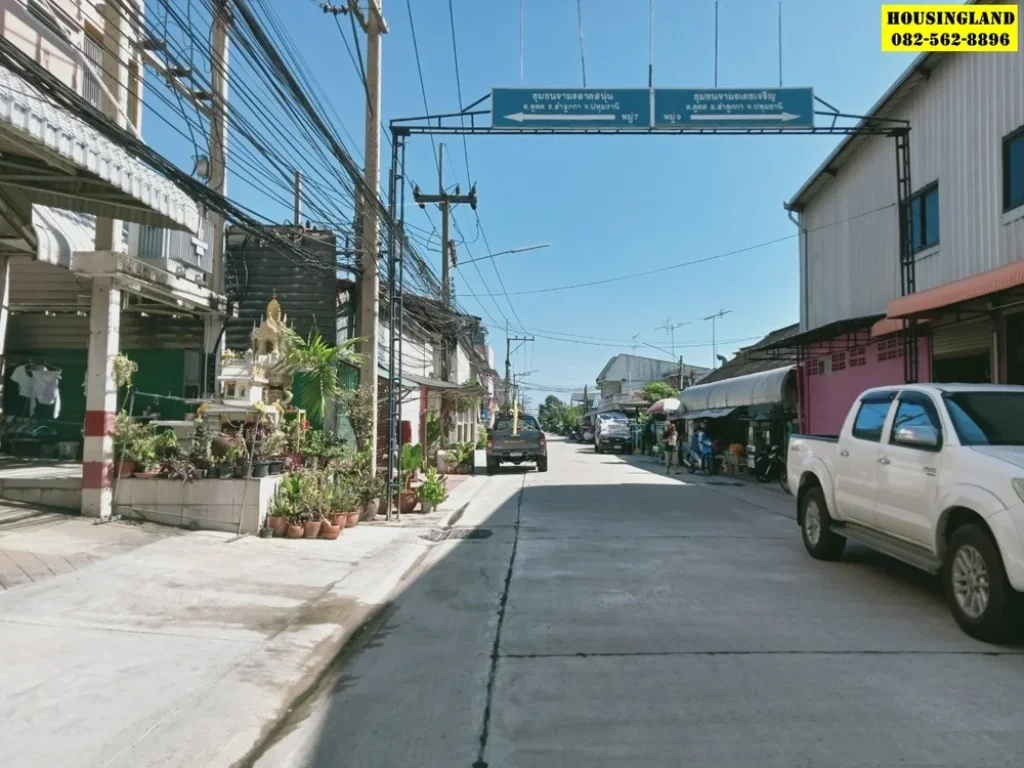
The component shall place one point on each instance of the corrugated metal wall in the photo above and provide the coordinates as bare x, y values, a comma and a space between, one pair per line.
45, 286
958, 120
307, 291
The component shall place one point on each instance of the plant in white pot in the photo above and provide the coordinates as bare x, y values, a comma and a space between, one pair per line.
433, 491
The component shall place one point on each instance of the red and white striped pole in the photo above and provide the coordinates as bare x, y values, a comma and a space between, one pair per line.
101, 399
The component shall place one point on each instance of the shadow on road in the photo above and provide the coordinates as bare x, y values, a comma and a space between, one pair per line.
587, 570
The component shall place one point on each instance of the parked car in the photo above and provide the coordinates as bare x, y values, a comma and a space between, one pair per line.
612, 433
932, 475
525, 443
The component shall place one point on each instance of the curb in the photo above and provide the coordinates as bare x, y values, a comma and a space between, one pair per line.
331, 654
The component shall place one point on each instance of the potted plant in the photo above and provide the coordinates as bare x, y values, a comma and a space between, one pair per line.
180, 468
277, 445
143, 452
285, 503
433, 491
200, 454
126, 433
371, 492
464, 455
412, 457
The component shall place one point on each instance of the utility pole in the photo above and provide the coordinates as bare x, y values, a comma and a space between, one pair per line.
630, 366
508, 359
445, 202
671, 328
714, 347
682, 373
297, 208
368, 205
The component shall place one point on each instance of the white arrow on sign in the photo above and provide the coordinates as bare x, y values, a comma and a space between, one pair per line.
783, 117
520, 117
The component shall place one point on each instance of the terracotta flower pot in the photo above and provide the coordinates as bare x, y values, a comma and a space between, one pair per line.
352, 519
147, 475
370, 510
294, 530
311, 528
406, 501
277, 524
124, 467
329, 531
338, 518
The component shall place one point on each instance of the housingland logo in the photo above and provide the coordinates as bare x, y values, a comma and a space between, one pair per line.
946, 28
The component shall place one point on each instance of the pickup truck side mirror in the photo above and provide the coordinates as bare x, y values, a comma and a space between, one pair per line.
917, 436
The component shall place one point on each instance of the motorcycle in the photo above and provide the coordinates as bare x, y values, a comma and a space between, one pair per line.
772, 467
704, 462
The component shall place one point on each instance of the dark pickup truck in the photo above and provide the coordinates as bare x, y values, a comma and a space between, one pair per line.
527, 443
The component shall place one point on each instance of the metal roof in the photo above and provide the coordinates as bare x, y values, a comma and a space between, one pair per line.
51, 144
764, 388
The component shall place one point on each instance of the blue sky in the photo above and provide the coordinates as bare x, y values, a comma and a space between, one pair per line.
614, 205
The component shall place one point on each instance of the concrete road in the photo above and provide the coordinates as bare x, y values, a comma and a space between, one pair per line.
606, 615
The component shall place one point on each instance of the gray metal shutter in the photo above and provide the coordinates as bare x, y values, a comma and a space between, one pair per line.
966, 338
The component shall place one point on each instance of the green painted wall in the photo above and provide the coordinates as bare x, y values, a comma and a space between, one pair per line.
161, 372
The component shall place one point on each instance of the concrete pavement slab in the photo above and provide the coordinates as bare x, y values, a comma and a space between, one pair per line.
756, 711
192, 647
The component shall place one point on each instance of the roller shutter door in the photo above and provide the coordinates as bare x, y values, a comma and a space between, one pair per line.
960, 339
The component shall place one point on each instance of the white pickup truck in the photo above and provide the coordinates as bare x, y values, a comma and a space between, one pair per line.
932, 475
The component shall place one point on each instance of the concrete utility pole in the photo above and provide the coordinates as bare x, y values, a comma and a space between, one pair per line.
368, 206
297, 207
714, 347
445, 202
508, 358
671, 328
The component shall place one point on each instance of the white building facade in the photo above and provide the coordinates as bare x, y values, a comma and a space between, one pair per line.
965, 217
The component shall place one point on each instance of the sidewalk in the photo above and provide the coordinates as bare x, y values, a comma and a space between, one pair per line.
187, 650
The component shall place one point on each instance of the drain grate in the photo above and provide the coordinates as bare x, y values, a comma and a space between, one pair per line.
447, 534
724, 482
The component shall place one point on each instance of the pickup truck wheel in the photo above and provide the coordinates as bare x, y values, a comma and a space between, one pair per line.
821, 541
542, 464
978, 593
492, 466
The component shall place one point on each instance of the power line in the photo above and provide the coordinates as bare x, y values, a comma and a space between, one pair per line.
669, 268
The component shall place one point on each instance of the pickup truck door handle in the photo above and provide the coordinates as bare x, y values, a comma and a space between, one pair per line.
844, 454
883, 460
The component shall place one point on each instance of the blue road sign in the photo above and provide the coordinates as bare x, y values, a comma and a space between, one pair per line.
734, 108
570, 108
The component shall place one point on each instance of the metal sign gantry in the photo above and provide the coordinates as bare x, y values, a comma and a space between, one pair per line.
630, 111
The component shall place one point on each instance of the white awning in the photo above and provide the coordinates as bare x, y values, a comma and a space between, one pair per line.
764, 388
61, 233
51, 157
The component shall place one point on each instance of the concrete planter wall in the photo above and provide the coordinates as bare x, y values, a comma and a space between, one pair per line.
211, 505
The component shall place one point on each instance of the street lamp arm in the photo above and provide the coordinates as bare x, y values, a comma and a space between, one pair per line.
502, 253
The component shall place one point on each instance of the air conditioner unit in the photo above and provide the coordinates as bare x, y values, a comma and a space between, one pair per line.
176, 251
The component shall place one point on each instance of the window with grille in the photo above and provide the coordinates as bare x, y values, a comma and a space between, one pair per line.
858, 357
838, 361
1013, 170
890, 350
90, 84
924, 218
815, 367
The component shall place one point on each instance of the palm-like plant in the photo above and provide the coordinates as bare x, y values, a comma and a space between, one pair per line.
319, 361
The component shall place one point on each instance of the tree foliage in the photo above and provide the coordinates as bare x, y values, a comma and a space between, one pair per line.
654, 391
319, 361
556, 416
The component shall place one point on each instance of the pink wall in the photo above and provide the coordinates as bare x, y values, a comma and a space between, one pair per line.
828, 394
